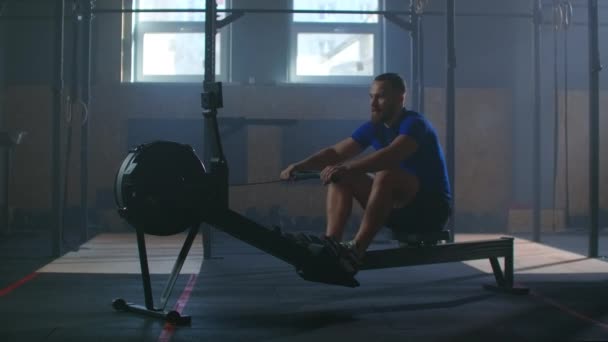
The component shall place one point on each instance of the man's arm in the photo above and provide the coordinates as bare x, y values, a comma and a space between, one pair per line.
332, 155
387, 158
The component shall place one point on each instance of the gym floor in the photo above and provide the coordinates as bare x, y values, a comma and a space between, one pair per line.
242, 294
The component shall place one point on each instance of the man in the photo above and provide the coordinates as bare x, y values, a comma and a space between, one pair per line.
409, 189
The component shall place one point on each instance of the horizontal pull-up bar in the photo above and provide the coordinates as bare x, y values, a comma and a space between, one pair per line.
50, 17
305, 11
243, 10
311, 11
523, 15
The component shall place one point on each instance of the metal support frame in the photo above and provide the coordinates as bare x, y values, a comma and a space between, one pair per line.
211, 101
568, 22
57, 199
243, 10
77, 21
75, 89
414, 55
594, 138
267, 240
260, 11
536, 127
558, 24
149, 309
421, 94
210, 21
450, 102
454, 252
418, 96
229, 19
303, 11
442, 253
280, 246
505, 280
84, 132
58, 90
395, 19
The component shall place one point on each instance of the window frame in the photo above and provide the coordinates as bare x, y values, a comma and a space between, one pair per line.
138, 31
297, 27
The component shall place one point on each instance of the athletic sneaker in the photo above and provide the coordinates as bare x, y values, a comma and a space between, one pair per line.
330, 262
353, 252
347, 257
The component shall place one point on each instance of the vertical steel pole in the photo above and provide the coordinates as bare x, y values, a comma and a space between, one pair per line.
536, 168
145, 271
58, 89
450, 100
209, 114
421, 65
594, 109
414, 54
84, 135
75, 96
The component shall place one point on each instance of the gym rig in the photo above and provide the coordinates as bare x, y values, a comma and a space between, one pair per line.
163, 188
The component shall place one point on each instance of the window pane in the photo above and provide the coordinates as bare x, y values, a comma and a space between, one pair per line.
176, 54
335, 5
174, 4
335, 54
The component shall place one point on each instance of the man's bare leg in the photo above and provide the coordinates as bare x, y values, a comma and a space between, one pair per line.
339, 203
391, 188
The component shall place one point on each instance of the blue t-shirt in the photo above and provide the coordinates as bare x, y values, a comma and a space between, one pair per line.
427, 163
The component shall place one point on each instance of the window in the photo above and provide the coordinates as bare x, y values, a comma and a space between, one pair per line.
170, 47
329, 47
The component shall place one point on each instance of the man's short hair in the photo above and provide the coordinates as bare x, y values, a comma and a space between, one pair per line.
394, 80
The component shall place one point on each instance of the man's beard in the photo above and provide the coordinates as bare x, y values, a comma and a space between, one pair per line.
379, 116
376, 117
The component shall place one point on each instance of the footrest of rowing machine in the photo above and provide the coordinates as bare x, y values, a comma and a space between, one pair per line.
326, 276
324, 263
409, 239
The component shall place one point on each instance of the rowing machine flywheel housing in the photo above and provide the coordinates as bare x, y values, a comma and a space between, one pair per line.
163, 188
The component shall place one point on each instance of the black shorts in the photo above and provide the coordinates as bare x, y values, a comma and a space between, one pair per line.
426, 213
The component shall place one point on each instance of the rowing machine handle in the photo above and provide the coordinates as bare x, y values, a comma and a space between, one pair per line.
306, 175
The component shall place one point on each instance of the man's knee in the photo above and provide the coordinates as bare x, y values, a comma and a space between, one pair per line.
387, 178
396, 179
351, 181
340, 186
